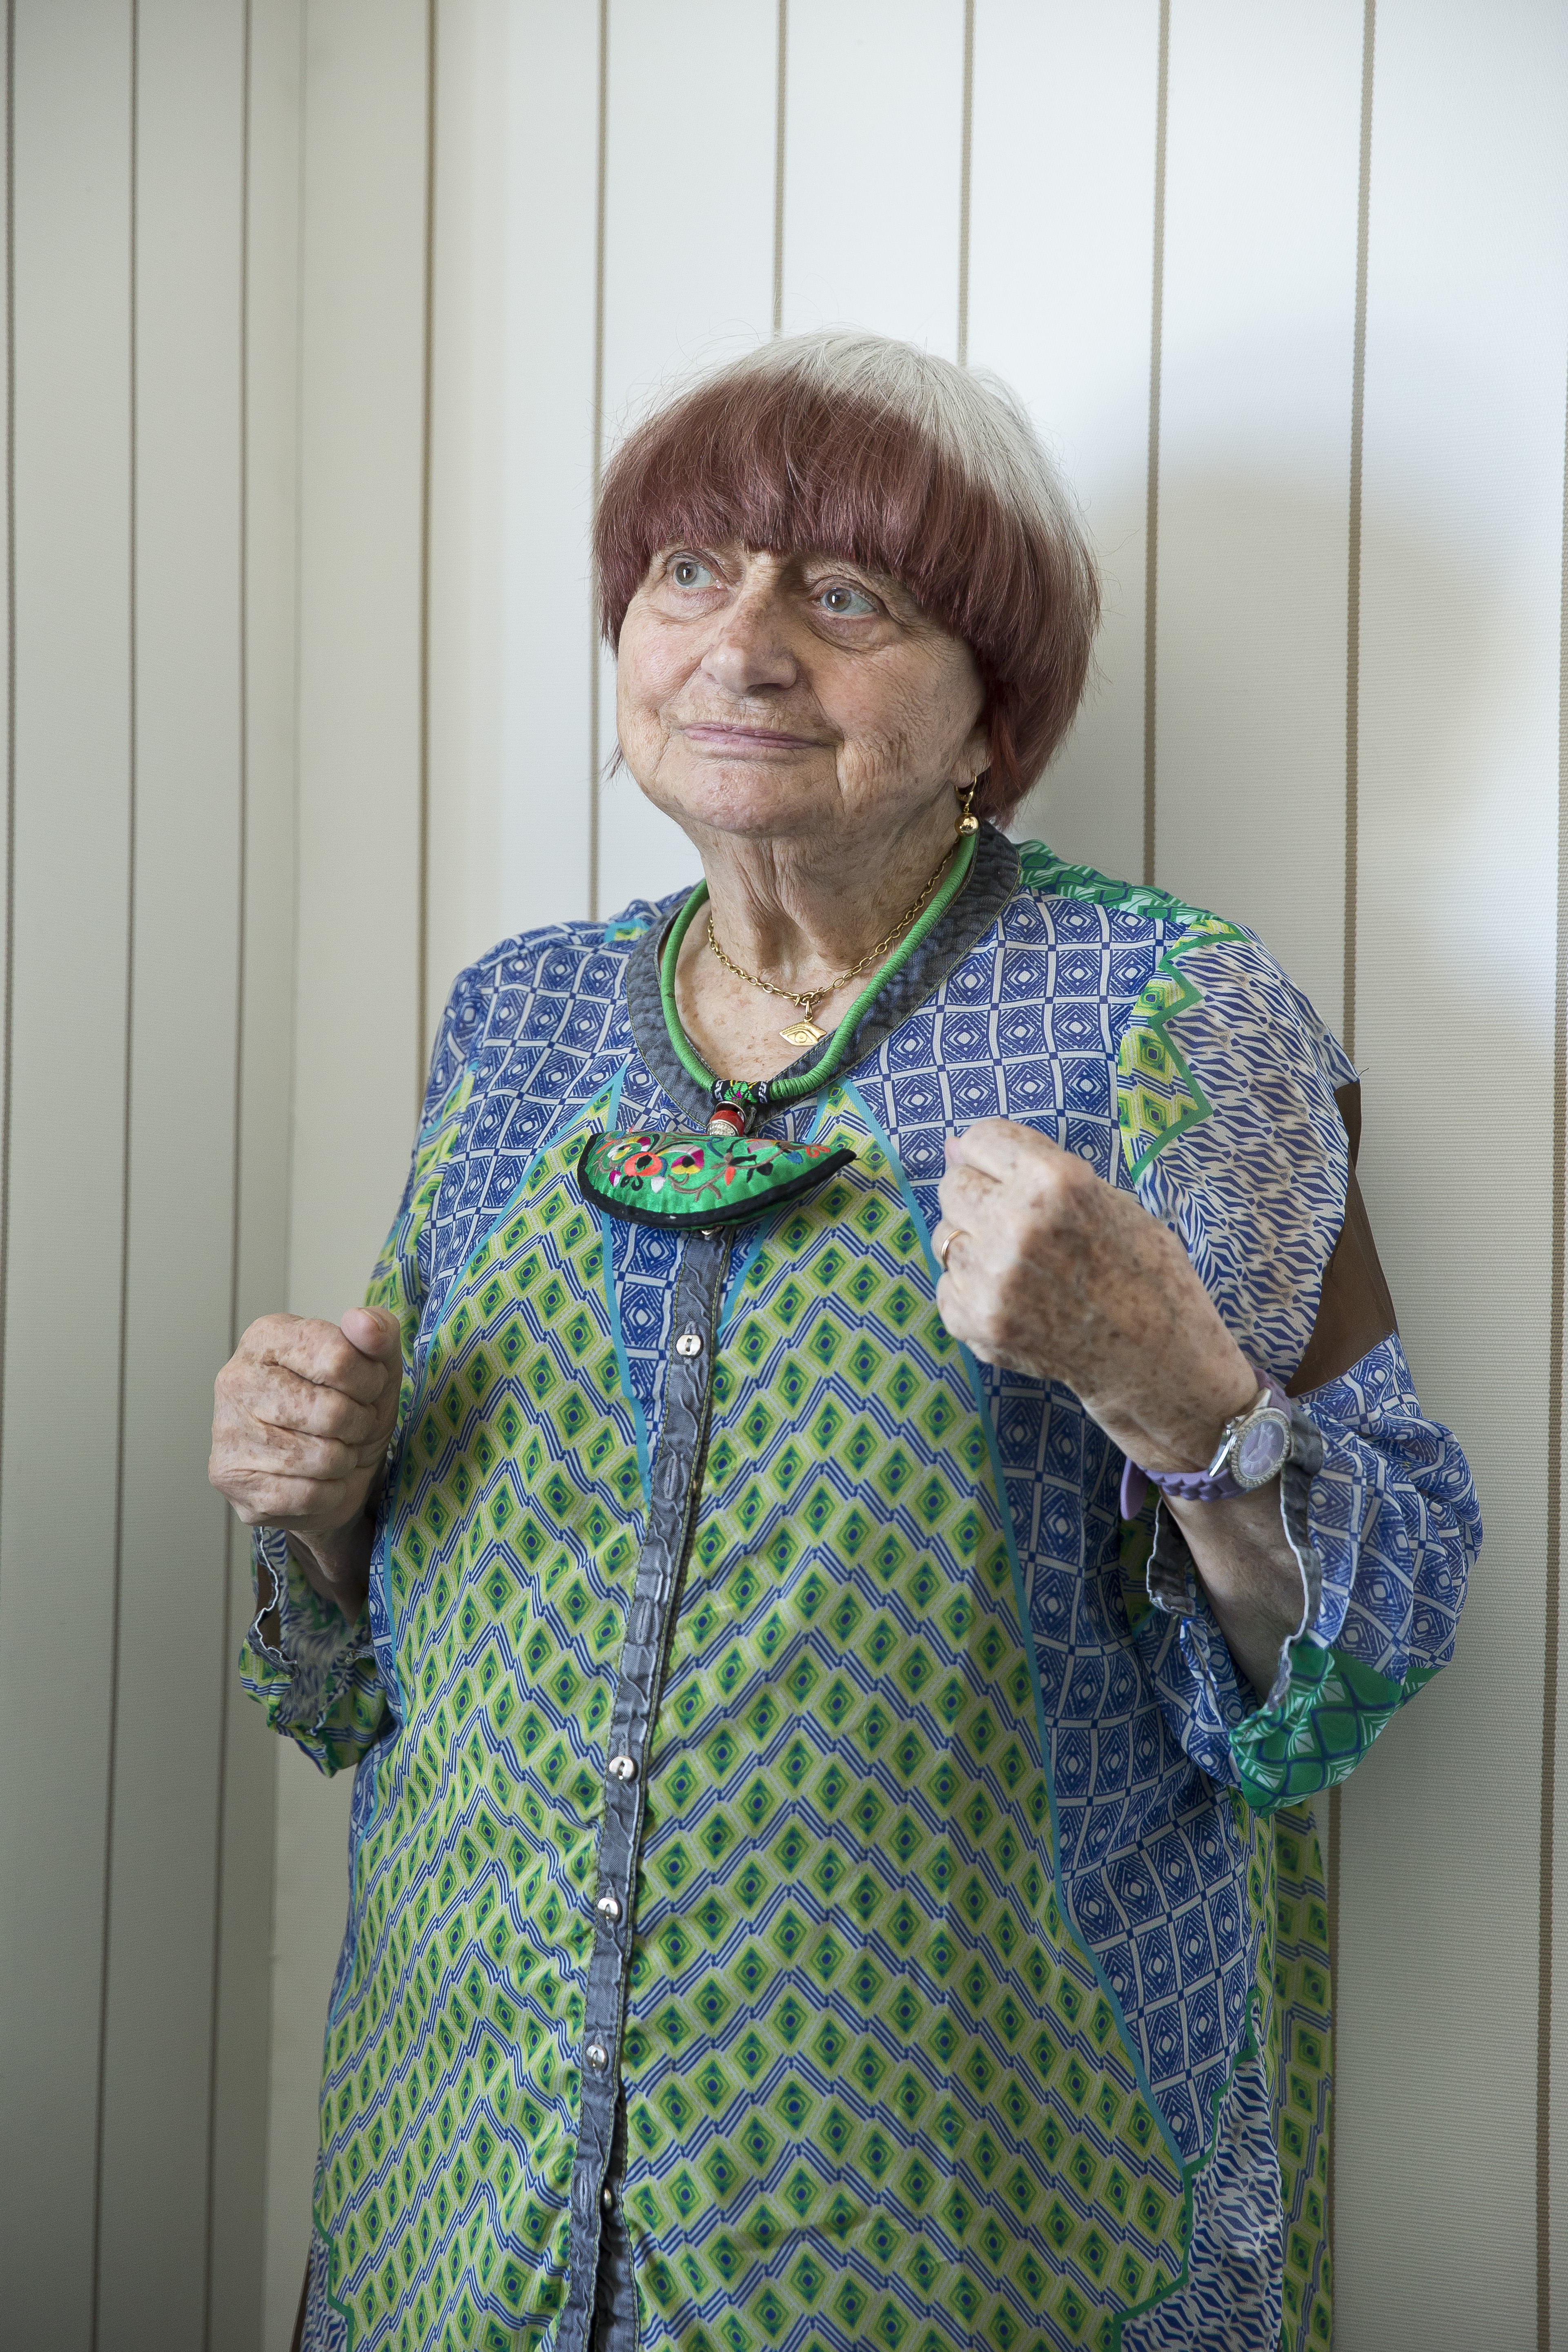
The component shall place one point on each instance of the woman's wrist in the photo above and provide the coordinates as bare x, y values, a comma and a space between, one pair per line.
335, 1561
1179, 1428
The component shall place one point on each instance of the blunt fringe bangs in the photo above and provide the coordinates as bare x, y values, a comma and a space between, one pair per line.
855, 446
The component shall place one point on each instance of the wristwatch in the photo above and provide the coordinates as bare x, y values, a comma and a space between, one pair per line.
1254, 1447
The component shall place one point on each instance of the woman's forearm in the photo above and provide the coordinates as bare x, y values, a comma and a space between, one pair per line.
1250, 1573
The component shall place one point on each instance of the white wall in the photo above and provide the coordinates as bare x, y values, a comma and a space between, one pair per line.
1288, 288
361, 895
150, 491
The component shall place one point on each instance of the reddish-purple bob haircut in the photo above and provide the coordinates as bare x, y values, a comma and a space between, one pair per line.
850, 446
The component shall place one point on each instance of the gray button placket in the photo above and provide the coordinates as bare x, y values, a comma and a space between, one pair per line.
671, 1512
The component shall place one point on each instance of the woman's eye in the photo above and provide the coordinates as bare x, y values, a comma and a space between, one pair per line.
845, 604
688, 572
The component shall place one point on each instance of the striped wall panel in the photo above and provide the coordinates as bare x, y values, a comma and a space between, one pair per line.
1455, 819
70, 874
148, 885
362, 895
1288, 288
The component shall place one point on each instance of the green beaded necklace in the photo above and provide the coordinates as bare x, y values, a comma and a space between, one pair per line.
728, 1176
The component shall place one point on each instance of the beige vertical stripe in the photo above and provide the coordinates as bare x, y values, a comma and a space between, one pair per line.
232, 2312
595, 756
7, 999
422, 1030
964, 147
781, 126
1553, 1505
1353, 821
230, 1631
127, 1107
1152, 527
1352, 600
169, 1610
362, 325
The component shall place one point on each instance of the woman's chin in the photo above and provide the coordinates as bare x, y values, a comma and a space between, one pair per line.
756, 799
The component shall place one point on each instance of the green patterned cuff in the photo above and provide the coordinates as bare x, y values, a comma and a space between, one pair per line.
321, 1686
1332, 1711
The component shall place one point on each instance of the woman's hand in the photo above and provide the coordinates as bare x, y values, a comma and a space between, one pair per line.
304, 1412
1054, 1272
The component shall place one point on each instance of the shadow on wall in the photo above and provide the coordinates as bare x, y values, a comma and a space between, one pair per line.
1455, 830
1440, 1923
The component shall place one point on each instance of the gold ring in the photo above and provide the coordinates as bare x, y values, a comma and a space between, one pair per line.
942, 1255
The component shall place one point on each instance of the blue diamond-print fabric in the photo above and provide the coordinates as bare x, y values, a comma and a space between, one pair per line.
1169, 1052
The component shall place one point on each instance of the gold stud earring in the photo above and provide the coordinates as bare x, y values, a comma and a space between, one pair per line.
967, 820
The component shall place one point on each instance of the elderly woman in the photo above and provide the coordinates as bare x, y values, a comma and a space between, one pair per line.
876, 1480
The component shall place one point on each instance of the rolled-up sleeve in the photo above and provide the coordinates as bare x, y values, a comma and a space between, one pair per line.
1238, 1144
313, 1673
1394, 1526
316, 1676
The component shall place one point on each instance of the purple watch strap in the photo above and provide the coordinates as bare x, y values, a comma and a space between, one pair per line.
1191, 1486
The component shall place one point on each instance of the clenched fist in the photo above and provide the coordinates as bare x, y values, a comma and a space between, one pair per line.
304, 1412
1052, 1271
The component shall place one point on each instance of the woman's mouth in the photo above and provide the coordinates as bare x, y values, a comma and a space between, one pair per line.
725, 735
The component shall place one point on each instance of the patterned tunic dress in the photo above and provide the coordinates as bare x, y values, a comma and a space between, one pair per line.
763, 1733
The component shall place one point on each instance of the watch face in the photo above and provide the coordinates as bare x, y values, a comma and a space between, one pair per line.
1261, 1448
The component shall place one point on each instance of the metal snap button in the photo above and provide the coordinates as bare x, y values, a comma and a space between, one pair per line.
622, 1767
608, 2199
689, 1344
608, 1908
596, 2055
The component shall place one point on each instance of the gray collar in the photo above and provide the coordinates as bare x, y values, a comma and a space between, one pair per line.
993, 879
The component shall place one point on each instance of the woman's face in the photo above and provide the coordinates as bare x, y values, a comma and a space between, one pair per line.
791, 695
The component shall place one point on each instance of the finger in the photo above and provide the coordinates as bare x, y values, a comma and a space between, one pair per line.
262, 1501
1001, 1148
376, 1332
960, 1301
961, 1189
283, 1400
948, 1245
261, 1420
262, 1450
324, 1355
970, 1199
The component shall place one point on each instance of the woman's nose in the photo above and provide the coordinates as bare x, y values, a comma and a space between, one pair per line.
751, 648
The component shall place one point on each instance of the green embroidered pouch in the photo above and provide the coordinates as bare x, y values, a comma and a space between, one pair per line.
699, 1179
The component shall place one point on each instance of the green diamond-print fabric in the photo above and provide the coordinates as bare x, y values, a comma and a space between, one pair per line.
449, 2106
1320, 1731
1289, 1905
949, 2014
1300, 2066
859, 2028
859, 2032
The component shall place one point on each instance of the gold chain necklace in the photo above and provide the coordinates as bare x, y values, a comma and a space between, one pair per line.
805, 1031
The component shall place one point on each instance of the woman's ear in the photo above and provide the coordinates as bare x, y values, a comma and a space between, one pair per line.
975, 755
